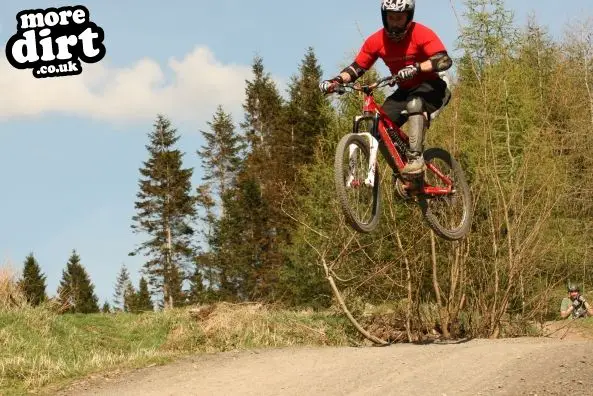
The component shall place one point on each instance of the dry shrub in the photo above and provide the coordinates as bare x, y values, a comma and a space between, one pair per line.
225, 326
237, 326
388, 321
12, 296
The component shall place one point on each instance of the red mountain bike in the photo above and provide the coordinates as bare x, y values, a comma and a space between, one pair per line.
357, 175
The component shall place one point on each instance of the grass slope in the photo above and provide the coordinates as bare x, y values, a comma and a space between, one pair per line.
39, 348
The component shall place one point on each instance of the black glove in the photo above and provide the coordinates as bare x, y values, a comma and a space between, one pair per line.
581, 299
409, 72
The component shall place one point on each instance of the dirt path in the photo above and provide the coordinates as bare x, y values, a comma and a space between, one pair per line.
525, 366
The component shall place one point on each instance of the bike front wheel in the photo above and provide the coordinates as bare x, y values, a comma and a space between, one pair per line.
450, 216
357, 183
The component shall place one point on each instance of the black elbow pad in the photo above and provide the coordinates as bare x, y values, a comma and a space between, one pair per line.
441, 61
354, 71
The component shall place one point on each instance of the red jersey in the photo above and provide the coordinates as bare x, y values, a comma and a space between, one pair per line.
419, 44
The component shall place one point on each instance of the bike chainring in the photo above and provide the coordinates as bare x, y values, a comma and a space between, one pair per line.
401, 190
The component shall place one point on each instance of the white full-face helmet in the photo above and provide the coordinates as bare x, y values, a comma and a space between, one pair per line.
408, 6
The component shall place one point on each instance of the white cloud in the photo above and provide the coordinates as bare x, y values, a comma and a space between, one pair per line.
198, 84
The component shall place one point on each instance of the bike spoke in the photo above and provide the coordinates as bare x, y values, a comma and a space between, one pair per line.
448, 209
359, 193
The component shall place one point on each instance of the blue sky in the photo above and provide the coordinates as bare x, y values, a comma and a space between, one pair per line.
70, 148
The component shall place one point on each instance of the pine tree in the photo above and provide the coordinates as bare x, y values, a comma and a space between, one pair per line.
263, 125
221, 160
165, 210
308, 114
129, 298
205, 260
106, 308
33, 282
221, 154
205, 201
243, 242
76, 291
125, 294
178, 295
249, 235
307, 110
270, 162
143, 300
121, 285
196, 290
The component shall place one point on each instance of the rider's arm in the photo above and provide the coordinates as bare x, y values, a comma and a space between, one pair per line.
434, 49
441, 61
350, 73
564, 314
589, 308
364, 60
437, 63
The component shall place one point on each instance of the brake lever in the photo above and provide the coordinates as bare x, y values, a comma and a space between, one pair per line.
340, 90
392, 81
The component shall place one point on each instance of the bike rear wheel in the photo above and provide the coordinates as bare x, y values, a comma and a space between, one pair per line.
358, 194
450, 216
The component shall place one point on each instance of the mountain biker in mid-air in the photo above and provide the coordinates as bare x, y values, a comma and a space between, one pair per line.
416, 55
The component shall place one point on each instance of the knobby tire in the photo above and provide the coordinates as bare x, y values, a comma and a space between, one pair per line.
461, 188
339, 175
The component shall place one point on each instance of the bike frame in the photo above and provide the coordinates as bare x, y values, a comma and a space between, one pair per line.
381, 122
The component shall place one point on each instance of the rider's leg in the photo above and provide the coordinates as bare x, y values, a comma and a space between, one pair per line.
425, 99
436, 95
393, 107
418, 123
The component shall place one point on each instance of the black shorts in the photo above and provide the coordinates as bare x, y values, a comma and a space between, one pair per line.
434, 94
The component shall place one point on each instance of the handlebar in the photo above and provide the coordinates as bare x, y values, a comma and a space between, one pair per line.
389, 80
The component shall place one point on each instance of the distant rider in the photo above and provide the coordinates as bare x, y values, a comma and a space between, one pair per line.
575, 305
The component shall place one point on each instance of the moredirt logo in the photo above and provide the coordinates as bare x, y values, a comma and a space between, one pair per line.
54, 41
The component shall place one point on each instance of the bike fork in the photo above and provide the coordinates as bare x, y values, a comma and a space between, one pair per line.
353, 152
